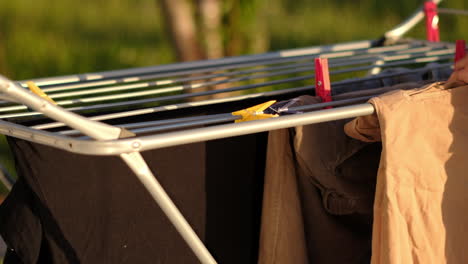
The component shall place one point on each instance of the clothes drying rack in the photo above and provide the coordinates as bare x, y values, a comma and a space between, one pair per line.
86, 103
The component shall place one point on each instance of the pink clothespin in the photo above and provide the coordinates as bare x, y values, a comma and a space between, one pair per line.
432, 21
460, 50
322, 80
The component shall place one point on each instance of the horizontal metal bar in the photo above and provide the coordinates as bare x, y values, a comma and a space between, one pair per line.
92, 128
258, 62
236, 98
179, 123
288, 67
386, 75
33, 135
207, 71
311, 66
168, 121
238, 129
337, 62
357, 54
193, 76
238, 88
139, 86
117, 147
152, 127
452, 11
160, 123
404, 61
332, 103
182, 106
202, 63
221, 131
207, 121
198, 71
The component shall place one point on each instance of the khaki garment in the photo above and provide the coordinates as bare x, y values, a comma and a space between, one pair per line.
318, 192
421, 202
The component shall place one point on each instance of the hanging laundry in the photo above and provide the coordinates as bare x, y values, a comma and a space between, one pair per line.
69, 215
421, 202
319, 190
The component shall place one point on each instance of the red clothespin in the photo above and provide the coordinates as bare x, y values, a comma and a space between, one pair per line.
460, 50
432, 21
322, 80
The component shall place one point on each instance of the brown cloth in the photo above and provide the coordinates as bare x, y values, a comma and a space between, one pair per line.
319, 191
421, 202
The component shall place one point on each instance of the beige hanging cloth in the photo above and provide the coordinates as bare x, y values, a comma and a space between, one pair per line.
421, 202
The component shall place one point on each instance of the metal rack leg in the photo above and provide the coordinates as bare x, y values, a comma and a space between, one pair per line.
6, 178
138, 165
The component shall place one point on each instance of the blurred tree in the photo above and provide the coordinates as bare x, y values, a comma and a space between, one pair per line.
210, 13
246, 30
208, 29
3, 68
182, 27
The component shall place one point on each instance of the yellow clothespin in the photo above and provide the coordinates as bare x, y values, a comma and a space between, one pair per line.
33, 88
254, 112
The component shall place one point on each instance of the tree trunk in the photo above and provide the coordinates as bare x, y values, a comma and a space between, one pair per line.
210, 16
182, 28
3, 67
234, 44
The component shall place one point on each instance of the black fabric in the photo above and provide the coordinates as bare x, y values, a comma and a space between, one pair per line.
94, 210
234, 195
20, 224
12, 258
91, 209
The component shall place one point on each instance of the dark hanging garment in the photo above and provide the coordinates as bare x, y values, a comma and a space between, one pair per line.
318, 195
319, 192
20, 225
93, 209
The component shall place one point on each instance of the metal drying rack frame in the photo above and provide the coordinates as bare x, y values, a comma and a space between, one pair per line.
104, 139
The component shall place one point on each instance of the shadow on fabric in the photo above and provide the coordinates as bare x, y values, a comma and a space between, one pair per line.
455, 197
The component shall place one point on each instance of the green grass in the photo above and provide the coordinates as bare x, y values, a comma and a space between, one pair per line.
56, 37
44, 38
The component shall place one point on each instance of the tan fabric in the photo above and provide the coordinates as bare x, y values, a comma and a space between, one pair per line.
282, 238
318, 193
421, 202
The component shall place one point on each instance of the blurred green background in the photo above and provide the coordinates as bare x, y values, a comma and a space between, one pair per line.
57, 37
